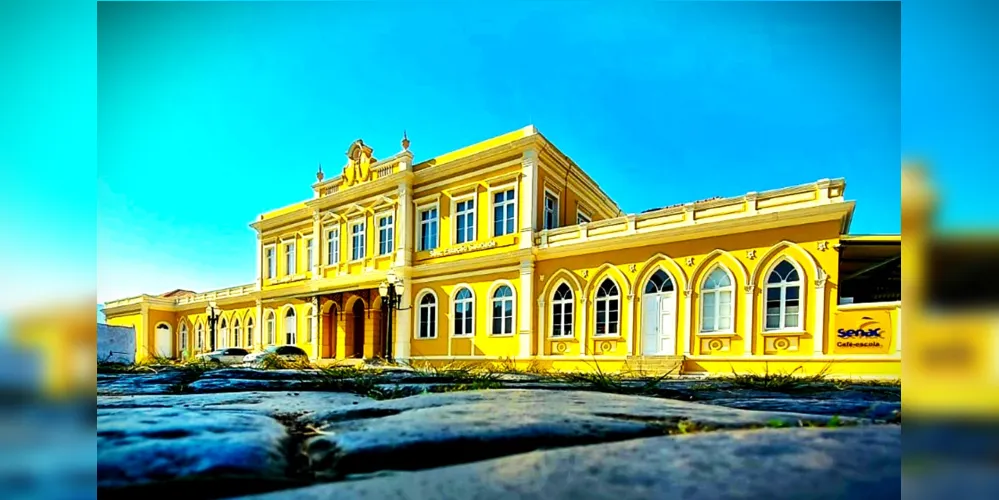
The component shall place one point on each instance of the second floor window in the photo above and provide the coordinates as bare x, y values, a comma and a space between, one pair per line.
309, 254
289, 258
465, 221
271, 262
551, 211
582, 218
428, 229
333, 246
385, 233
504, 208
357, 241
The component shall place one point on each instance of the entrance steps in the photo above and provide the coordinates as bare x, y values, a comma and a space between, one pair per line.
655, 365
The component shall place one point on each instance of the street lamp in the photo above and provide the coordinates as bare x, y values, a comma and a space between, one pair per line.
391, 291
213, 313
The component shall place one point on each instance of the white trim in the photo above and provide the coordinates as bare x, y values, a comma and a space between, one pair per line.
265, 269
328, 261
507, 186
270, 319
802, 297
309, 243
603, 277
284, 322
293, 245
417, 304
454, 216
451, 310
550, 327
870, 305
378, 232
420, 209
584, 213
700, 300
363, 220
182, 344
544, 208
489, 308
639, 318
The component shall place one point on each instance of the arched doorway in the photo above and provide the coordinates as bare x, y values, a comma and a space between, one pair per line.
659, 315
164, 341
357, 335
327, 342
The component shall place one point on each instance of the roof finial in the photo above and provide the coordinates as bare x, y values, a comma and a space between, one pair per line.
319, 174
405, 141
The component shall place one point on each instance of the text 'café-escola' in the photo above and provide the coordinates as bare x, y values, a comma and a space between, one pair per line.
506, 250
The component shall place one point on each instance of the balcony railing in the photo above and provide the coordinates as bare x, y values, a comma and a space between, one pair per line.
235, 291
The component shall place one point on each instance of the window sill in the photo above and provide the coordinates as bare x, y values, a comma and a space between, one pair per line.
717, 334
607, 337
567, 338
425, 338
779, 333
463, 336
502, 335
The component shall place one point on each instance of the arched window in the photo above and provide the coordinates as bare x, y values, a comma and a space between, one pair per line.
608, 307
659, 283
290, 327
310, 315
199, 340
716, 302
503, 311
464, 313
428, 317
237, 339
183, 339
249, 332
562, 308
271, 329
783, 297
222, 335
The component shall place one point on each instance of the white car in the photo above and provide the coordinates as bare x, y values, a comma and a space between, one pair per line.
285, 352
230, 356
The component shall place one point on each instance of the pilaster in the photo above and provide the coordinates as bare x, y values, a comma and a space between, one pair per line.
402, 333
748, 335
528, 198
526, 313
583, 325
260, 262
688, 321
259, 327
317, 241
315, 327
405, 224
542, 329
629, 339
819, 328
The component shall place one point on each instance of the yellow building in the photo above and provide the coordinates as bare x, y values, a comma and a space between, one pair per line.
507, 250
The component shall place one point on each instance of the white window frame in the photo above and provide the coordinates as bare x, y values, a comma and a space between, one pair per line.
249, 332
390, 228
582, 216
454, 218
199, 337
551, 312
420, 306
310, 315
492, 207
270, 261
454, 310
420, 210
333, 245
270, 327
513, 309
310, 253
364, 239
544, 209
783, 286
222, 335
597, 301
292, 269
717, 292
183, 338
237, 330
284, 322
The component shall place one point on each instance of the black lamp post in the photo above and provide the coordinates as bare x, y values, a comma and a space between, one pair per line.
213, 317
391, 291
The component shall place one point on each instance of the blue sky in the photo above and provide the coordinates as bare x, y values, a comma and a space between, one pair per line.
209, 114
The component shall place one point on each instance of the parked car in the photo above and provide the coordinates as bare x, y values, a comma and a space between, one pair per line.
289, 353
230, 356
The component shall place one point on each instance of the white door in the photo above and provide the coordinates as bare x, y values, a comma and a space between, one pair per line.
164, 341
658, 324
650, 324
667, 324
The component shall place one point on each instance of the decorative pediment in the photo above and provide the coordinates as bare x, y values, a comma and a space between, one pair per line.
359, 160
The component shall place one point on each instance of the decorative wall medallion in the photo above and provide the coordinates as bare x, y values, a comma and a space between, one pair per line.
631, 268
782, 344
690, 261
751, 254
715, 345
605, 346
823, 246
560, 347
586, 273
